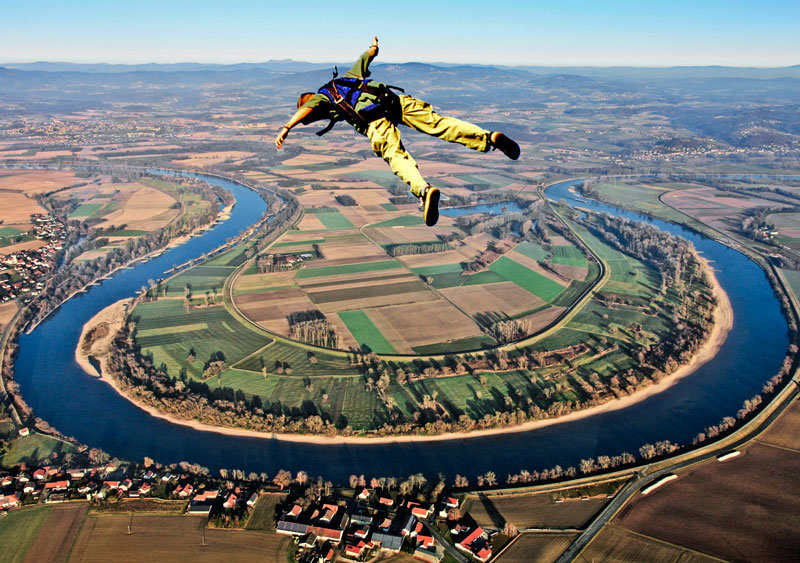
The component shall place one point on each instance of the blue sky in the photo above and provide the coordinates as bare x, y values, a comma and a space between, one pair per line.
536, 32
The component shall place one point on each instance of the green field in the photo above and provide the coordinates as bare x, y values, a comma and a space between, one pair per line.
297, 243
402, 221
793, 279
438, 269
532, 250
389, 206
263, 515
33, 449
527, 279
568, 256
365, 332
18, 529
494, 180
86, 210
360, 267
334, 220
168, 332
471, 343
9, 232
129, 233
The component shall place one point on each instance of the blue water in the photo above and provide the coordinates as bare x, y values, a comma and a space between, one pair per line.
86, 408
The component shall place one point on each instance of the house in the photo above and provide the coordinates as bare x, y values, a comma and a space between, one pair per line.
357, 548
126, 485
56, 486
386, 501
199, 509
477, 544
76, 473
9, 501
206, 496
144, 489
295, 511
39, 474
364, 494
252, 500
307, 541
423, 537
421, 512
24, 432
428, 555
6, 481
451, 502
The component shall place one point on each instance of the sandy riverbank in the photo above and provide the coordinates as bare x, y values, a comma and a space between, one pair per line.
113, 314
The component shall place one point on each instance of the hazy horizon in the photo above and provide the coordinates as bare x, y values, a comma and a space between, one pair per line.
511, 33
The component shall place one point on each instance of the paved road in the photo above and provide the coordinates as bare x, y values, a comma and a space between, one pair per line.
447, 545
639, 480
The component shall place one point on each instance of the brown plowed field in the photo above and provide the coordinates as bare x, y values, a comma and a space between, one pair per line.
57, 533
615, 543
361, 291
741, 509
310, 222
530, 547
437, 321
172, 538
534, 511
382, 302
571, 272
506, 297
143, 208
785, 431
346, 252
543, 318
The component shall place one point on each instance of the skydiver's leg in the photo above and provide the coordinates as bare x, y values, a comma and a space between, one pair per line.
419, 115
385, 140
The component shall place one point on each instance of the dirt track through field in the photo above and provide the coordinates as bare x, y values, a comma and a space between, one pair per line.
57, 534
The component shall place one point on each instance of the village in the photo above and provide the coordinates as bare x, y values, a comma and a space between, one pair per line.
325, 523
24, 271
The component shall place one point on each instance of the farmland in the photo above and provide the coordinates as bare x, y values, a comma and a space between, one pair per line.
172, 538
18, 530
542, 510
381, 305
729, 502
614, 543
169, 333
536, 547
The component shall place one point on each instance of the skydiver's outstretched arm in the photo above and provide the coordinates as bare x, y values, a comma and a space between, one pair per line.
298, 116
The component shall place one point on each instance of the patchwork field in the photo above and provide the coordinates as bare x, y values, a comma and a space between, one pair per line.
169, 333
19, 529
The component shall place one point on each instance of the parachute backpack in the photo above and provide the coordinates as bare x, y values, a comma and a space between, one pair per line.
344, 93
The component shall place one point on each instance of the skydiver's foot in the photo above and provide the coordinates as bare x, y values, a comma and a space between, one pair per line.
505, 145
430, 205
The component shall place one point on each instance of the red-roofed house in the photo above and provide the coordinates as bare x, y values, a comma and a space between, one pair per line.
206, 496
386, 501
295, 511
56, 486
355, 550
364, 494
421, 512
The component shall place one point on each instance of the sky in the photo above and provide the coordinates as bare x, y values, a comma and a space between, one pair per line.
759, 33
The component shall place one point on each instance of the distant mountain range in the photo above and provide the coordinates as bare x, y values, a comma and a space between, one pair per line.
292, 66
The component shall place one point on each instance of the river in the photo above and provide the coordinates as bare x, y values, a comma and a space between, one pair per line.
82, 406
